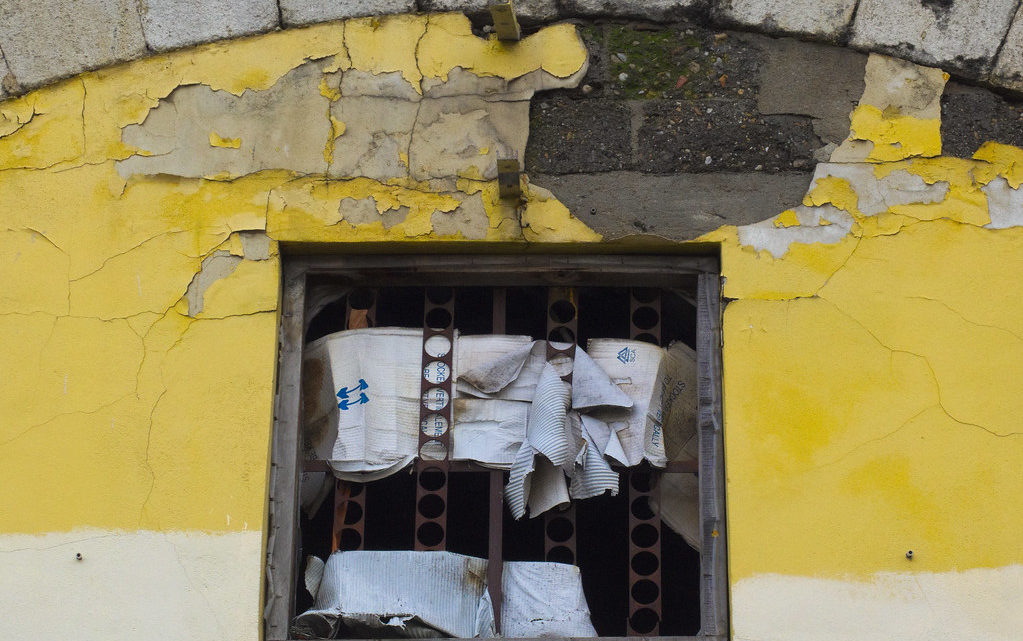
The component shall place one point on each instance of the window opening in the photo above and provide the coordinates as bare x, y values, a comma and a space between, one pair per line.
631, 563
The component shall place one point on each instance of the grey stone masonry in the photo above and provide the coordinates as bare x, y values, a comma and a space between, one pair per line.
170, 24
827, 19
5, 73
960, 35
46, 40
300, 12
527, 10
1008, 71
657, 10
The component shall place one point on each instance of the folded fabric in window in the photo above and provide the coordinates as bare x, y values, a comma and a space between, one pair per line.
367, 594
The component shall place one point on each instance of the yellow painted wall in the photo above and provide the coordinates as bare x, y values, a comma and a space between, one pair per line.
871, 383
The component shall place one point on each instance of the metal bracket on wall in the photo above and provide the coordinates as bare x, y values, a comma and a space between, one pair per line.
506, 24
508, 172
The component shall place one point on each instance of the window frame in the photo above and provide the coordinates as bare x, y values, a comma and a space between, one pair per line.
494, 270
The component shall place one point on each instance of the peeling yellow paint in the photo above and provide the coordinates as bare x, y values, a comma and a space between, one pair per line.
216, 140
895, 136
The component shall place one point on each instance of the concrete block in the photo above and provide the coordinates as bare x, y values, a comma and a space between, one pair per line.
819, 18
963, 35
645, 9
971, 116
44, 40
5, 73
529, 10
1008, 71
575, 136
296, 12
679, 206
169, 24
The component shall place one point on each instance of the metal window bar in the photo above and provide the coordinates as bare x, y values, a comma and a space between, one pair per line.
435, 419
349, 529
562, 327
644, 586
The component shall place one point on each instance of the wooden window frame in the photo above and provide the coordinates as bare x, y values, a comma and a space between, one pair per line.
496, 270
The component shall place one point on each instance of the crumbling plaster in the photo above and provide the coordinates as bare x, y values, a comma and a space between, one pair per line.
871, 339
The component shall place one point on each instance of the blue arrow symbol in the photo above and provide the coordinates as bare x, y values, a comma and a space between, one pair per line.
347, 403
344, 391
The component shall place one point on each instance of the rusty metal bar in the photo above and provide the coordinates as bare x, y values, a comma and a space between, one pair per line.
345, 492
644, 526
435, 419
562, 327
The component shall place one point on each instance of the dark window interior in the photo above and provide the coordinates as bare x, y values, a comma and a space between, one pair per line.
601, 522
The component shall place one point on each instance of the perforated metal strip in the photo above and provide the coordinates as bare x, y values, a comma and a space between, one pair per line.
644, 526
562, 327
435, 419
349, 529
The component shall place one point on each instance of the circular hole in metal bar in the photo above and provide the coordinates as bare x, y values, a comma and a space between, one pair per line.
437, 345
438, 318
350, 539
435, 399
355, 489
432, 479
434, 425
645, 317
560, 529
361, 298
643, 621
648, 338
641, 509
561, 334
436, 372
562, 311
433, 450
644, 535
644, 294
644, 563
645, 591
561, 554
562, 364
353, 513
431, 506
640, 481
430, 534
439, 295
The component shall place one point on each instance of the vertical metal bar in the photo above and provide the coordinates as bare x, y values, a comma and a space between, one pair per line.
435, 419
713, 562
644, 526
495, 562
562, 327
355, 318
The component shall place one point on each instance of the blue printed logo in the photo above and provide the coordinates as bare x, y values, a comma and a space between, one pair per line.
346, 402
627, 355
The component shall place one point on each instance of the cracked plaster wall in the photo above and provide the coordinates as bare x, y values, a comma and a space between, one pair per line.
872, 343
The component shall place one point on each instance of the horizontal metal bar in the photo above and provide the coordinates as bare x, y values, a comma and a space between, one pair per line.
673, 467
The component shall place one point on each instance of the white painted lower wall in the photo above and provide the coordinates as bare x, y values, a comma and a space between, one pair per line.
969, 605
131, 585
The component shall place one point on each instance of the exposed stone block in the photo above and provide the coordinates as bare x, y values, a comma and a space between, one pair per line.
5, 74
574, 136
295, 12
45, 40
644, 9
710, 135
1008, 71
529, 10
170, 24
679, 207
963, 35
819, 18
